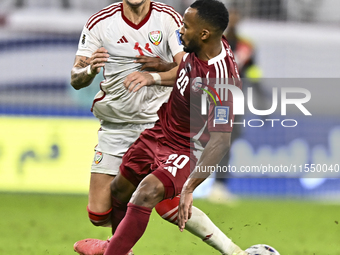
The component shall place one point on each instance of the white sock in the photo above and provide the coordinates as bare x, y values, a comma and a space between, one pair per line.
201, 226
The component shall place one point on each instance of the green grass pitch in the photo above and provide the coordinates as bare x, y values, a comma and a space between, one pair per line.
37, 224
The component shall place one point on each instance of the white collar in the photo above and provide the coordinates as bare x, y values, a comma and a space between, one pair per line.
219, 57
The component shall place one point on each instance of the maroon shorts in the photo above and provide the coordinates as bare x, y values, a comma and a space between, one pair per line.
152, 153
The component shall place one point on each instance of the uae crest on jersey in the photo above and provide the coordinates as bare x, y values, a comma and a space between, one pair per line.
98, 157
156, 37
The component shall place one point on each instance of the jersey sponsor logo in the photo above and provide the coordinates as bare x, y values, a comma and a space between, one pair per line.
98, 157
178, 35
122, 40
155, 37
221, 115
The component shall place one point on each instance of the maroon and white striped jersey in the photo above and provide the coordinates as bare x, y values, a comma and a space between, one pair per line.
157, 35
191, 112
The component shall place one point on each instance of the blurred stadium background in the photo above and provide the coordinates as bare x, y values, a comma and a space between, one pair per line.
48, 132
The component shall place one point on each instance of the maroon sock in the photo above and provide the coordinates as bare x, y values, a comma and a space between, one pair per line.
118, 212
130, 230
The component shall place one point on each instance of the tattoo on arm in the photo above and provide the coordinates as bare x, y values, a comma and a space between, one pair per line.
79, 77
83, 62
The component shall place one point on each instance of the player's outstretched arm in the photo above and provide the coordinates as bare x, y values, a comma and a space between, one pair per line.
213, 153
85, 69
134, 81
154, 64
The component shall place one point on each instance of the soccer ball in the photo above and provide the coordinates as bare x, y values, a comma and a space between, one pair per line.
262, 249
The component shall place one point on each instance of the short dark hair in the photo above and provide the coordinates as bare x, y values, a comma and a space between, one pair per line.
213, 12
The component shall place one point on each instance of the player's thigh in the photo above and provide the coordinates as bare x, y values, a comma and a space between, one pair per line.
140, 158
100, 193
113, 142
122, 188
104, 168
149, 192
174, 168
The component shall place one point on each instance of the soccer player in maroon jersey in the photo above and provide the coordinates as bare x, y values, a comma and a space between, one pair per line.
112, 37
163, 162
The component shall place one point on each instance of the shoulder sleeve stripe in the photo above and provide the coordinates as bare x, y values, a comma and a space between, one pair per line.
172, 10
179, 23
217, 71
90, 26
107, 12
169, 10
221, 70
225, 68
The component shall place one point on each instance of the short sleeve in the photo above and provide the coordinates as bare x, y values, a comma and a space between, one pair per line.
88, 43
173, 27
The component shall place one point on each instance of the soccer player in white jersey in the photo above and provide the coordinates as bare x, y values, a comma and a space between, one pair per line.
112, 38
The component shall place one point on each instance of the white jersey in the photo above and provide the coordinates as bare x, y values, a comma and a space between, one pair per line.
157, 35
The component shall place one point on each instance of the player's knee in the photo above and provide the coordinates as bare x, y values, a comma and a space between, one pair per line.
121, 188
168, 209
115, 188
100, 219
148, 194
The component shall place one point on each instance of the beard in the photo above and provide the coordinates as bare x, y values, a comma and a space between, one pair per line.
134, 5
192, 46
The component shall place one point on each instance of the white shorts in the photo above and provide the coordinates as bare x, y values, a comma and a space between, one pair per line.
113, 141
